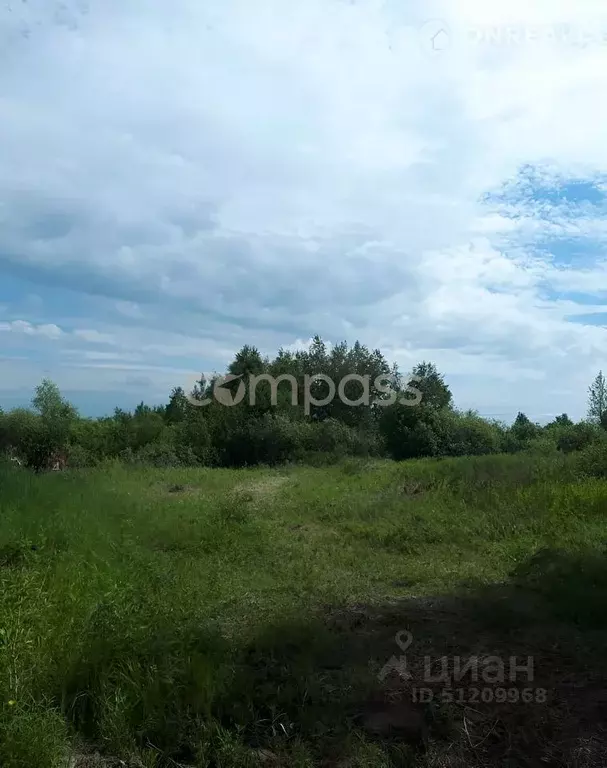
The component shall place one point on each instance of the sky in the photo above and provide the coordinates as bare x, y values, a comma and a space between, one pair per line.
180, 179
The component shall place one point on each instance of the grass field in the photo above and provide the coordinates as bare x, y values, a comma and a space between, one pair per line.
241, 618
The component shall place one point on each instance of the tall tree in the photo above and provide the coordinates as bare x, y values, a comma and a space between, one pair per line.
523, 428
597, 400
50, 404
177, 409
435, 392
49, 429
563, 420
247, 362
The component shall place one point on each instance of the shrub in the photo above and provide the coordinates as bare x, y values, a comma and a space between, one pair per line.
543, 445
29, 437
411, 433
510, 443
78, 457
158, 455
576, 437
524, 429
330, 436
592, 460
467, 435
193, 440
271, 439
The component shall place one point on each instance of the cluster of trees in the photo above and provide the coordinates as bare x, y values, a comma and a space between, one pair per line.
286, 424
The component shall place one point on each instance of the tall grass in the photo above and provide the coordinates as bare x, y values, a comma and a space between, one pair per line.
176, 616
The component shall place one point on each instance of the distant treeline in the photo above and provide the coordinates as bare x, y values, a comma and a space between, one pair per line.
273, 430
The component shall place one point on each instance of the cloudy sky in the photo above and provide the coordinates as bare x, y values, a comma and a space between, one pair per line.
180, 178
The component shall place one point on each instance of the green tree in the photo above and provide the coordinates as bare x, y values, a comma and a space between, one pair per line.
56, 420
27, 437
577, 437
560, 421
563, 420
414, 428
410, 432
50, 404
597, 401
435, 392
247, 362
467, 434
524, 429
146, 427
177, 408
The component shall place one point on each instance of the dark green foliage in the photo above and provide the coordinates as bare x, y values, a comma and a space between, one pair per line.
276, 423
523, 429
436, 395
593, 459
177, 409
410, 432
576, 437
467, 434
560, 421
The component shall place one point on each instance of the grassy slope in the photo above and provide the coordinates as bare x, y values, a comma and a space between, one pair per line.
233, 618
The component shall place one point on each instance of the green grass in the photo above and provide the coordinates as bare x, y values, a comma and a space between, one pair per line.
239, 618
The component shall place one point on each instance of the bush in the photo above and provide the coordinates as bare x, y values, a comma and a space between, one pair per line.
523, 429
467, 435
79, 458
510, 443
145, 429
410, 432
592, 461
98, 437
33, 436
329, 436
543, 446
29, 437
577, 437
160, 455
267, 440
192, 439
183, 435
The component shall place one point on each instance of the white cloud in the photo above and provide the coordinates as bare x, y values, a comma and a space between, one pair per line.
233, 172
94, 337
47, 330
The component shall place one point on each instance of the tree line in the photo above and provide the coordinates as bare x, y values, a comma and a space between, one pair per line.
278, 427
